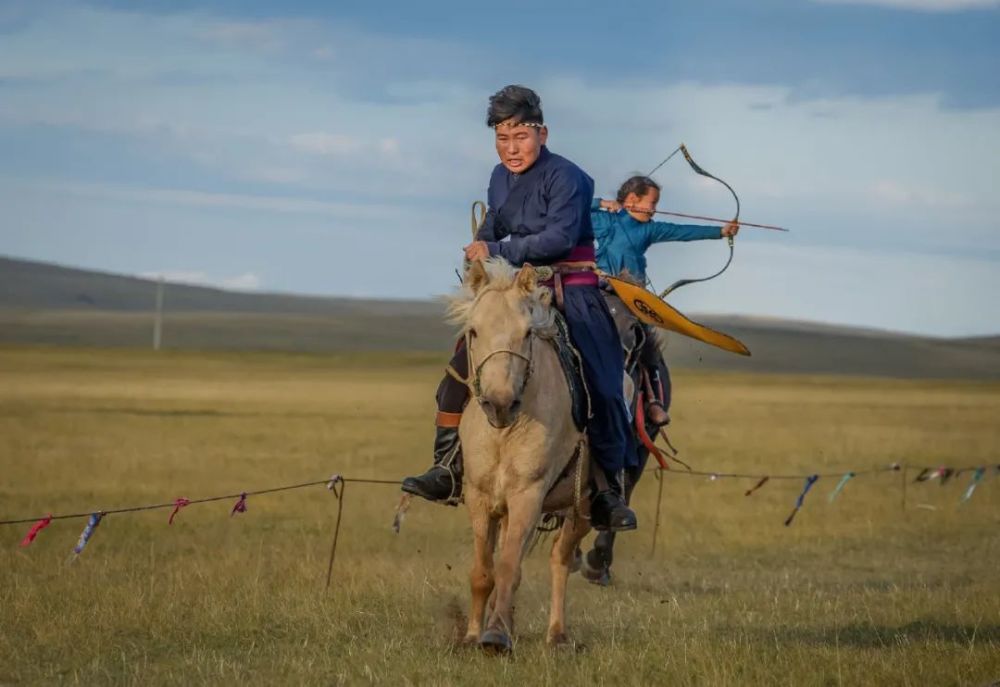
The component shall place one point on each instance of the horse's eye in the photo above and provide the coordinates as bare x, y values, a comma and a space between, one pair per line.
472, 333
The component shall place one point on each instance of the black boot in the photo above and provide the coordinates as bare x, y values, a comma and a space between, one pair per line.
608, 510
443, 482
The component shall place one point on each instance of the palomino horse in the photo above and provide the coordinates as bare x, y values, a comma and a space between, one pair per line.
523, 454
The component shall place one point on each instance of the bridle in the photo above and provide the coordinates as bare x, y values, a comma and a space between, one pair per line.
474, 381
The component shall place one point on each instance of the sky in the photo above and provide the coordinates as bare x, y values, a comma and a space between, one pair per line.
335, 148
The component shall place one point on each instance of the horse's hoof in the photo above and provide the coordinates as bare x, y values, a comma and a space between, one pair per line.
599, 576
557, 640
496, 642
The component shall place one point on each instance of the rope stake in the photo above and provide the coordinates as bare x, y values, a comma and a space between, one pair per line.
332, 486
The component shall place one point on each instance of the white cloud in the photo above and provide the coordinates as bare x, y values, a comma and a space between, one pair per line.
203, 199
268, 36
922, 5
388, 146
895, 193
322, 143
247, 281
222, 107
873, 171
897, 290
276, 175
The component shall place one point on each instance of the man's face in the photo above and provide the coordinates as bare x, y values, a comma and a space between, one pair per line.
519, 146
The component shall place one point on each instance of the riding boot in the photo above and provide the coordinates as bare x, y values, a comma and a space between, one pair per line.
608, 510
443, 482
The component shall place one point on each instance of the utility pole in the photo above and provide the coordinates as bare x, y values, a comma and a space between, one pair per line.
158, 315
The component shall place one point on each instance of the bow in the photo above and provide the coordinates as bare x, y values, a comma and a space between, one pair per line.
699, 170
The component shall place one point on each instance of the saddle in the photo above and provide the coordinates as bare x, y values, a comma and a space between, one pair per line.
572, 365
630, 330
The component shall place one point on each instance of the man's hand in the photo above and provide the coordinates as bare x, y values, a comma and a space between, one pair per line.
477, 250
611, 205
731, 229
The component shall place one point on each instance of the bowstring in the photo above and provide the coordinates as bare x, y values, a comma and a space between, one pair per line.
699, 170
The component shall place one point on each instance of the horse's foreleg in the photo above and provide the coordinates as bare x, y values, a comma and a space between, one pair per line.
484, 531
563, 551
523, 511
498, 540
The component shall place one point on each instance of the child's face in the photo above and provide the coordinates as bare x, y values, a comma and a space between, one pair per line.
642, 207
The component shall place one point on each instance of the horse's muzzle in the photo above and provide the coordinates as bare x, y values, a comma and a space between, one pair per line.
501, 415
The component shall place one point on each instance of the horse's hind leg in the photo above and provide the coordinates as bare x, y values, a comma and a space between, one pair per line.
523, 512
563, 552
597, 562
481, 579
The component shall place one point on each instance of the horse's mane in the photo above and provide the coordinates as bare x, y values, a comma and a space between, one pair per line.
501, 276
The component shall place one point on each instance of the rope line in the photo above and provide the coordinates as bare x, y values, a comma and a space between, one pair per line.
395, 482
207, 499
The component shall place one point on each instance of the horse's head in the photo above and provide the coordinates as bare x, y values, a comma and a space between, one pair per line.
500, 310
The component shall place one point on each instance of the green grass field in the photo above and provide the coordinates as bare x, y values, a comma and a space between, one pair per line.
858, 591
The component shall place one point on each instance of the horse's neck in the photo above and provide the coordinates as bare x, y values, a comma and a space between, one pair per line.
547, 393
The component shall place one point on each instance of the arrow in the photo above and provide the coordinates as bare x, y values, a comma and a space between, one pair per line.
712, 219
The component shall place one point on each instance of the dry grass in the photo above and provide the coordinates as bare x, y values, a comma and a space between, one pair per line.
855, 592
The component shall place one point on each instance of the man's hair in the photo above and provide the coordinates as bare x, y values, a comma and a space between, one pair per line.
518, 103
639, 185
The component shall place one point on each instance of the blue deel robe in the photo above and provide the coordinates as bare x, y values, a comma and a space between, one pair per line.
622, 241
553, 218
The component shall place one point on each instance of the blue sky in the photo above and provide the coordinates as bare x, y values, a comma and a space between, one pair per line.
334, 148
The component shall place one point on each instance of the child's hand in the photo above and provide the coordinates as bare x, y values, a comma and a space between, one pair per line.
731, 229
611, 205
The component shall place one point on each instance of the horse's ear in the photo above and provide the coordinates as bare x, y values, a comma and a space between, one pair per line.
475, 276
527, 279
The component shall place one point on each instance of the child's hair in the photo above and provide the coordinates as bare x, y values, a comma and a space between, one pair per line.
639, 185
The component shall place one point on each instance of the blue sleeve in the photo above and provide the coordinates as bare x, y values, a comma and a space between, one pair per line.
658, 232
601, 221
490, 231
569, 197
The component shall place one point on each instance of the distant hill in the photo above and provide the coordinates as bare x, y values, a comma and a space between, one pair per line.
48, 304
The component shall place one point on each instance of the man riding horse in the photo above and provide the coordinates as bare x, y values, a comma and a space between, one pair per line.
539, 214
